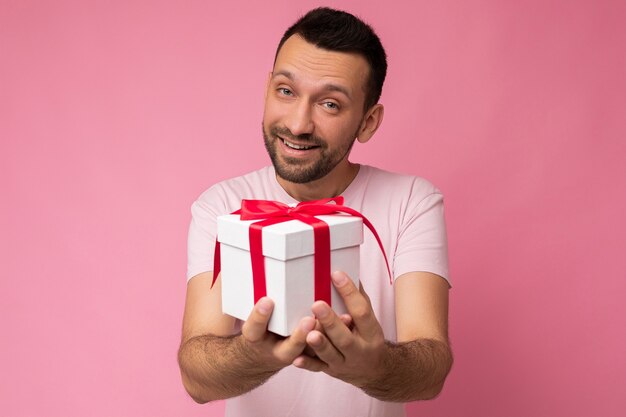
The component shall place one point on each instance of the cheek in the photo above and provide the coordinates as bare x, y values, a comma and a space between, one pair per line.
343, 130
273, 110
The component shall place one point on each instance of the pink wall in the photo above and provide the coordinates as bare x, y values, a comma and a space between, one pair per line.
114, 116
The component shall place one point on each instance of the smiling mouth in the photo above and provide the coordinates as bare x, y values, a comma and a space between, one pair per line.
298, 147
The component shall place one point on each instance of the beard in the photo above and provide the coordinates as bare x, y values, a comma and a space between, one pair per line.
297, 170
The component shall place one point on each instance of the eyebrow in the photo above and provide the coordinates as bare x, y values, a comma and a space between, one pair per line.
327, 86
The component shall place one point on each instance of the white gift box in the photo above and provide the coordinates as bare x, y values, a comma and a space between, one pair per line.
288, 249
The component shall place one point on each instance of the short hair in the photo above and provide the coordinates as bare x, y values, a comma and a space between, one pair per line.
336, 30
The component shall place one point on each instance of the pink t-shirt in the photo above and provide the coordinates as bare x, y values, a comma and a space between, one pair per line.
407, 212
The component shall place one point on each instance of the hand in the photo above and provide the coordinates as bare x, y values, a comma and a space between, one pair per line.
353, 351
269, 349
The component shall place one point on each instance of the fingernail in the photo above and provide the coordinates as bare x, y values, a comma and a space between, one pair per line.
307, 325
314, 339
339, 278
322, 312
264, 306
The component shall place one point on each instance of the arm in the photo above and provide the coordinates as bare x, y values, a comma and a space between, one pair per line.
423, 352
216, 363
412, 369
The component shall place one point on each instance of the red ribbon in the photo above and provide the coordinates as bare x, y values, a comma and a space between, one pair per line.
273, 212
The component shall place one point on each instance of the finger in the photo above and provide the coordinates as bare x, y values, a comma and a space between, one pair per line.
363, 293
324, 349
294, 345
308, 350
335, 330
358, 306
310, 364
318, 326
255, 328
347, 320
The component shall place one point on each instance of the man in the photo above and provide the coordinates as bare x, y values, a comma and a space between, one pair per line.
392, 347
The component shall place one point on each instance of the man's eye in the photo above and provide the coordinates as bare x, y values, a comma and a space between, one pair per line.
284, 91
330, 105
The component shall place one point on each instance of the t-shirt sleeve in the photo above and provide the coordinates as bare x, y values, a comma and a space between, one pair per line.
202, 231
422, 242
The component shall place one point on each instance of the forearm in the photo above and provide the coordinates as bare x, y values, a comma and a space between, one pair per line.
411, 371
215, 367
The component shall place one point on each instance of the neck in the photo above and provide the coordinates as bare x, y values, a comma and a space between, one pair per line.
329, 186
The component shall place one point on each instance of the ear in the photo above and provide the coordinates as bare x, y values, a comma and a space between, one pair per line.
371, 121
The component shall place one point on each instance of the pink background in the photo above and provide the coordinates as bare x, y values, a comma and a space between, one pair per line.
114, 116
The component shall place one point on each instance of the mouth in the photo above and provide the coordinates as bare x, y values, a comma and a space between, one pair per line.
297, 147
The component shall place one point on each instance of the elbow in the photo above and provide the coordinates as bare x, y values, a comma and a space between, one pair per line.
198, 400
193, 387
198, 395
438, 377
436, 388
432, 393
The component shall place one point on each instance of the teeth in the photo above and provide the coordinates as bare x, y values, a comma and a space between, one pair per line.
298, 147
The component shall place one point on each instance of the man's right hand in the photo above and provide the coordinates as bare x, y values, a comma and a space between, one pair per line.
268, 348
215, 362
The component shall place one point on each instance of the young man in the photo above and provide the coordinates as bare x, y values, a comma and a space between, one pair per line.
392, 347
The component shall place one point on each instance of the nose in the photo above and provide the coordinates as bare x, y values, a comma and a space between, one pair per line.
299, 120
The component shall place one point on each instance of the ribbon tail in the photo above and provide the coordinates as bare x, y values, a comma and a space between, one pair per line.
380, 245
217, 262
370, 226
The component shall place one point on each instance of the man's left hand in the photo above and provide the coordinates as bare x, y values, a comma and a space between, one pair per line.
351, 347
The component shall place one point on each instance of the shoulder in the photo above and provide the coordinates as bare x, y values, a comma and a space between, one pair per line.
398, 185
226, 195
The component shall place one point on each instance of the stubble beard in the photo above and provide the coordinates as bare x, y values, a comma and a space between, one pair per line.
296, 170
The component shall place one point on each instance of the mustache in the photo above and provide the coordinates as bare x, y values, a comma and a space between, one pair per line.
307, 137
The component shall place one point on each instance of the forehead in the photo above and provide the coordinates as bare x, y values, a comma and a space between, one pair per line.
306, 63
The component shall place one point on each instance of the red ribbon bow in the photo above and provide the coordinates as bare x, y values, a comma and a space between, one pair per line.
276, 212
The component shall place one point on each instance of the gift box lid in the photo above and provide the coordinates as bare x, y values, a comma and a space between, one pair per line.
290, 239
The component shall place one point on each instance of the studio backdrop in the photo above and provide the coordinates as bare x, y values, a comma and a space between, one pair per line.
116, 115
